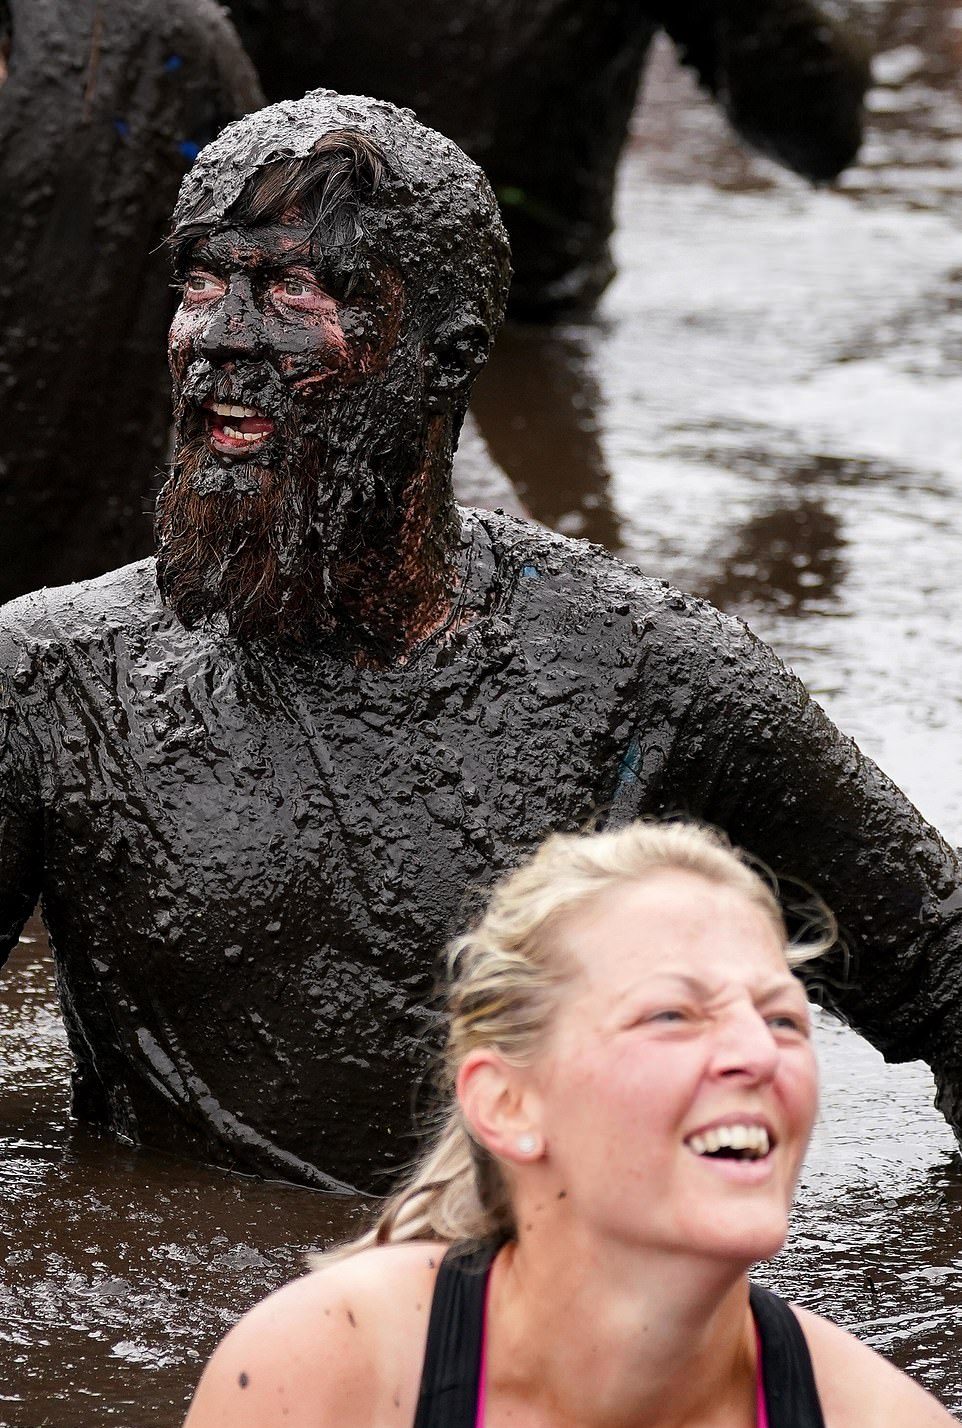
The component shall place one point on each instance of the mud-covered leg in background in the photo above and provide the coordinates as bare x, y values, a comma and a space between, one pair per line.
103, 109
539, 97
790, 78
537, 404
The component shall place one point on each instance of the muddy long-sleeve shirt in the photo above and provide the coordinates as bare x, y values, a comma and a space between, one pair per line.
250, 858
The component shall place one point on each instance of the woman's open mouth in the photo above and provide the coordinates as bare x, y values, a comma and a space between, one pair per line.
740, 1151
736, 1141
234, 430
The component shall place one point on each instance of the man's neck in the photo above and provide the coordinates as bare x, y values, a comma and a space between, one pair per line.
401, 589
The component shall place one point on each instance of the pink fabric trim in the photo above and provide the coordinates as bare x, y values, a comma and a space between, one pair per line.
483, 1375
761, 1411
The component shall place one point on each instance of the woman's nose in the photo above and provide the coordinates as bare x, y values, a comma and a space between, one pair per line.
235, 327
745, 1047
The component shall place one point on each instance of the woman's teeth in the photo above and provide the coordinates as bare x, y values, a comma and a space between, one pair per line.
750, 1142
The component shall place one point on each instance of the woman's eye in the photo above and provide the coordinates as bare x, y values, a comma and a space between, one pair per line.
667, 1015
788, 1021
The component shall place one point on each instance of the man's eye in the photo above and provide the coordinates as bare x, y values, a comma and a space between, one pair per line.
667, 1015
299, 292
203, 285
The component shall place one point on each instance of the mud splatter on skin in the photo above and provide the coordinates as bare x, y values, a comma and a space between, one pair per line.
102, 111
251, 851
543, 102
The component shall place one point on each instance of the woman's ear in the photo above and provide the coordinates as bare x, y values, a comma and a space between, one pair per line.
455, 355
500, 1107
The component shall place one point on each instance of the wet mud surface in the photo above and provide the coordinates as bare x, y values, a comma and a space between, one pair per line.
765, 412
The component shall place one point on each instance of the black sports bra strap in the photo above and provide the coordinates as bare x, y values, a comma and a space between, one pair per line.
451, 1376
790, 1393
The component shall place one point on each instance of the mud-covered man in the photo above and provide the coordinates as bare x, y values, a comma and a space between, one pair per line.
256, 783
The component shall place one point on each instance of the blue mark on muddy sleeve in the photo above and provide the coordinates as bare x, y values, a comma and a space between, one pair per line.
122, 127
531, 572
173, 63
629, 767
189, 149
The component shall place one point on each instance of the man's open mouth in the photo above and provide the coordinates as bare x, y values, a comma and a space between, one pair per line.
233, 430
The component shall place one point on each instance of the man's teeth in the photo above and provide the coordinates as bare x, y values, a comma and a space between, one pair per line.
226, 409
753, 1140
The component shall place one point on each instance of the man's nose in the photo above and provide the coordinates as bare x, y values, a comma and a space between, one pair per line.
745, 1047
235, 327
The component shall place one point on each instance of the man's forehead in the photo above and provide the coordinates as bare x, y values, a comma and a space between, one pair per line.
284, 240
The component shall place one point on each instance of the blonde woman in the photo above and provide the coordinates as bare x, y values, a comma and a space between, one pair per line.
632, 1090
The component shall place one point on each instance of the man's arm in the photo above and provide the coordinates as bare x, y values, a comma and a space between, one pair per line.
754, 754
790, 79
21, 821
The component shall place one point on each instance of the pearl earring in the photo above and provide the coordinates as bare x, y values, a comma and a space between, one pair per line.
527, 1144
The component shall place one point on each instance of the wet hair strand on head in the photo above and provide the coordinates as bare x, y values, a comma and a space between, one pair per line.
326, 187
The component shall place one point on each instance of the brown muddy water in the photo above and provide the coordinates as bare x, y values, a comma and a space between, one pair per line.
767, 412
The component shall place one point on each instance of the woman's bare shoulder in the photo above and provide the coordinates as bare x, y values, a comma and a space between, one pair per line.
860, 1389
342, 1346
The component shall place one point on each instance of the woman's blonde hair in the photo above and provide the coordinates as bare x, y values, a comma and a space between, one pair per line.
505, 978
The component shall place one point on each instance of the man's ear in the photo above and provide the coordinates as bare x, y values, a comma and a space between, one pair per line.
500, 1106
455, 354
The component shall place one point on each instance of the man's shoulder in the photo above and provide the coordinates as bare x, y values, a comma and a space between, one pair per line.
90, 610
564, 570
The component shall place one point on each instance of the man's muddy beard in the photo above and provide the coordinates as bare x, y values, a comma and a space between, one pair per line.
256, 548
305, 543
